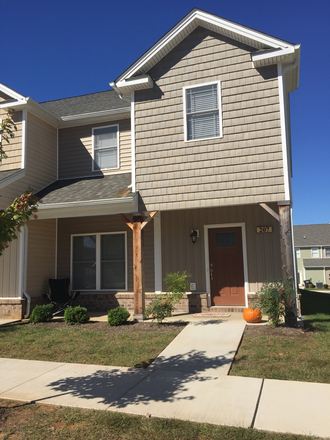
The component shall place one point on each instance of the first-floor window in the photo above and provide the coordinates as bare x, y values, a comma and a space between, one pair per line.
99, 262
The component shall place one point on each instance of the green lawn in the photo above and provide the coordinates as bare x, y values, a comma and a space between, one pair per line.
304, 356
21, 421
130, 345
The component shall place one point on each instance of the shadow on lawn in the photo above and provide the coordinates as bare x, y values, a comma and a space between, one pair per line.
165, 381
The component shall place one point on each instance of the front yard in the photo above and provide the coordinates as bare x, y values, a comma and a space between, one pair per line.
285, 353
130, 345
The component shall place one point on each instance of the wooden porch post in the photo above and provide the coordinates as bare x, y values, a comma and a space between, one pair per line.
138, 268
287, 259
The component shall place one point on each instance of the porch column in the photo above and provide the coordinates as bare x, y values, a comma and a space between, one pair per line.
138, 268
287, 258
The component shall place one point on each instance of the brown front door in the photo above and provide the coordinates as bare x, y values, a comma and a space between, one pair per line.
226, 267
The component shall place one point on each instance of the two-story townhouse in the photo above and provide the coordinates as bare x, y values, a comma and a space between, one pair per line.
312, 249
185, 165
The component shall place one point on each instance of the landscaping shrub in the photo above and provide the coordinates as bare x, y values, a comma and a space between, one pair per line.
76, 315
162, 305
118, 316
41, 313
272, 299
325, 286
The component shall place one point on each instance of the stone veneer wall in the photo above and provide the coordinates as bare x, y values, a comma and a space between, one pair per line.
12, 308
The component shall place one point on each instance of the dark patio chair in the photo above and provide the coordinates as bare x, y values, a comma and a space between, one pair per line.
59, 294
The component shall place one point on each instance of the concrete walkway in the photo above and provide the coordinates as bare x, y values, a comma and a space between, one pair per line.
189, 381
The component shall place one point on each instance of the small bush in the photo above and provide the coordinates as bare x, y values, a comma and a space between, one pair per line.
325, 286
272, 299
41, 313
162, 305
118, 316
76, 315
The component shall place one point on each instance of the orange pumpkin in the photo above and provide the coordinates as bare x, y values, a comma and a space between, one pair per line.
252, 315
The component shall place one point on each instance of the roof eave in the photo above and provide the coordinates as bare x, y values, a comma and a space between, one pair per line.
89, 208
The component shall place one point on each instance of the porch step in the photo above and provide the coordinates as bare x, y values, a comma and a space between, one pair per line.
225, 309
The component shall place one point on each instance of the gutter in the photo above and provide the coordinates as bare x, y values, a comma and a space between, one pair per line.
28, 305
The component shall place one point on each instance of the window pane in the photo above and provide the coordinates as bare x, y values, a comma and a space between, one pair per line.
105, 159
84, 276
315, 252
203, 98
327, 252
84, 262
113, 275
113, 261
105, 137
225, 239
203, 126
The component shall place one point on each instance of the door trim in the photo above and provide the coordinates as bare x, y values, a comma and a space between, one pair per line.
207, 259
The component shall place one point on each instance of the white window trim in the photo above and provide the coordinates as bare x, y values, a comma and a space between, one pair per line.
98, 261
93, 144
318, 253
185, 111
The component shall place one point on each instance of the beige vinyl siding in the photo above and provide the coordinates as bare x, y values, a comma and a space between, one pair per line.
245, 166
9, 271
179, 253
13, 149
41, 256
75, 152
41, 160
103, 224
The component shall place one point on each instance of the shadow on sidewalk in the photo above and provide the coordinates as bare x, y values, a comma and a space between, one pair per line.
163, 381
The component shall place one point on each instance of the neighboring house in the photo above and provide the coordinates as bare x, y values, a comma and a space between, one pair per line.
194, 140
312, 248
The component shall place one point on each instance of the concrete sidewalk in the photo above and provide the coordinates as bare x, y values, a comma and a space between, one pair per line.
188, 381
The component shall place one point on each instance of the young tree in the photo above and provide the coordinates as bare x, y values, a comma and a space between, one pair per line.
18, 213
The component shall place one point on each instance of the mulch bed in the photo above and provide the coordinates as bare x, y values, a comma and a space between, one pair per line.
104, 327
282, 330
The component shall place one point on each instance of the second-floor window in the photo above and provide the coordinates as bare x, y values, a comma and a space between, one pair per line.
298, 252
202, 111
327, 252
315, 252
106, 147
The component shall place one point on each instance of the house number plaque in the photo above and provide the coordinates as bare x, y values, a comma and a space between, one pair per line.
264, 229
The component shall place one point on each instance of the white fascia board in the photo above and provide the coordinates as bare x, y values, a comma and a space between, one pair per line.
259, 58
15, 104
10, 92
197, 18
96, 114
89, 208
12, 179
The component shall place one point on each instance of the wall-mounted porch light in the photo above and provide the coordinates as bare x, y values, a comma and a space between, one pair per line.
193, 235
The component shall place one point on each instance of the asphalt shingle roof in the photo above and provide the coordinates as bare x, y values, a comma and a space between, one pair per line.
312, 235
316, 262
85, 189
77, 105
5, 174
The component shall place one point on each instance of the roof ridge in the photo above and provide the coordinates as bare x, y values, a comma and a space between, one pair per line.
77, 96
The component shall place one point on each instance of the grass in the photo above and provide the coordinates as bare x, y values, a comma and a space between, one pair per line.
76, 344
303, 358
38, 422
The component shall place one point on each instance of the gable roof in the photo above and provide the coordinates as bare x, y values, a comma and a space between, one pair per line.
268, 50
311, 235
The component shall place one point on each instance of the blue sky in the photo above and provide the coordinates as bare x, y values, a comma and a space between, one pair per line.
55, 49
